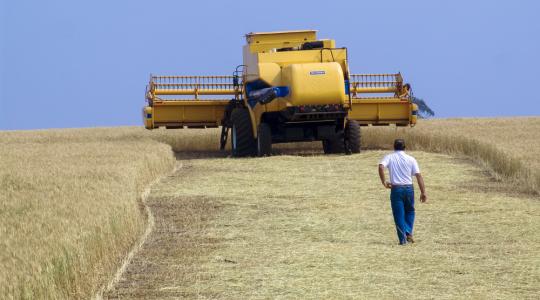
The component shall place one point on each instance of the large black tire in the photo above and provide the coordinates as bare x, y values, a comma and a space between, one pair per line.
242, 140
334, 145
264, 140
352, 137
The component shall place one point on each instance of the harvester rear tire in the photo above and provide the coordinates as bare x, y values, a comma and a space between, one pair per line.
242, 141
352, 137
264, 140
335, 145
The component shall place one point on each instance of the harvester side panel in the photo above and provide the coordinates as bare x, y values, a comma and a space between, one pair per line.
195, 113
381, 111
255, 61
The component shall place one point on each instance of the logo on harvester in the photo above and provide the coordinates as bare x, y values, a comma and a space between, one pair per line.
317, 73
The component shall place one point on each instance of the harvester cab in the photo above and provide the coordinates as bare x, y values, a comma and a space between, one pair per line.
291, 87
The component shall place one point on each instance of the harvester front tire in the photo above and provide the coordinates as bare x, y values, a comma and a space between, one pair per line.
335, 145
264, 140
242, 141
352, 137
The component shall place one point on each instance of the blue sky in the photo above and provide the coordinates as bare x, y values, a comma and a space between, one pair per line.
86, 63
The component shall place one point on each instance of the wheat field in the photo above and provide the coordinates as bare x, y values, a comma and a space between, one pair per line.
71, 210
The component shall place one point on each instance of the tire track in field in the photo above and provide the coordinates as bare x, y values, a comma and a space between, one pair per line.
168, 253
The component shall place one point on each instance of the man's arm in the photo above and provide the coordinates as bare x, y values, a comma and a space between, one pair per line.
420, 179
381, 175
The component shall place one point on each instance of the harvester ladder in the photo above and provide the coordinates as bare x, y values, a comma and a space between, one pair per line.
238, 83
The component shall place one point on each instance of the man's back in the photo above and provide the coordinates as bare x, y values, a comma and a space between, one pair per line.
401, 167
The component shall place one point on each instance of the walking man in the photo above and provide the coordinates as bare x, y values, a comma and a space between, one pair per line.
402, 167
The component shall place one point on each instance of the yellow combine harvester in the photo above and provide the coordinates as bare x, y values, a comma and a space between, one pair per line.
291, 87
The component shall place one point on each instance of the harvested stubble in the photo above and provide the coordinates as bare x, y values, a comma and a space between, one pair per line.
312, 226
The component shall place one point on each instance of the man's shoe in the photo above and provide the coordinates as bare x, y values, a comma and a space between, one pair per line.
410, 238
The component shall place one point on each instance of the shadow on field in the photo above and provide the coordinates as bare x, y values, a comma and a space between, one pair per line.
217, 154
182, 155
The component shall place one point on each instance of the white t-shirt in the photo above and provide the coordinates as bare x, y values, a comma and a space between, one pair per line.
401, 167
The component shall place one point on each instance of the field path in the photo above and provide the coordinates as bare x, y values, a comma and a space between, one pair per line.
321, 227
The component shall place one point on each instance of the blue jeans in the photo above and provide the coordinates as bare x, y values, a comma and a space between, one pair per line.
402, 201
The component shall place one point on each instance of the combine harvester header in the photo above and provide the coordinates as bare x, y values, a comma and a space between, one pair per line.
291, 87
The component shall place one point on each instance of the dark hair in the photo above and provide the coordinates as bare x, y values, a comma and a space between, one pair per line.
399, 144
